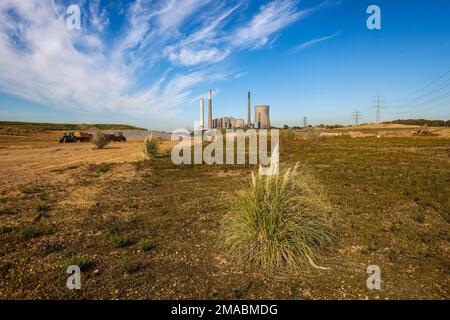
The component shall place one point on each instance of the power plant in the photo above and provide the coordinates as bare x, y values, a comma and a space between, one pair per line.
202, 114
210, 109
249, 116
262, 117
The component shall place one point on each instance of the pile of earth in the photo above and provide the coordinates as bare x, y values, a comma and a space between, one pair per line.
13, 131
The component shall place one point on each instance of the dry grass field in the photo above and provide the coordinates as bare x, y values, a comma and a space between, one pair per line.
150, 229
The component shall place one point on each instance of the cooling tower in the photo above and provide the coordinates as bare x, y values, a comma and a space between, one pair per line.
210, 124
202, 118
262, 118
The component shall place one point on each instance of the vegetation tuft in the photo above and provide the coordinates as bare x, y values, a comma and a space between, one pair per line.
146, 245
151, 147
84, 263
130, 267
29, 189
30, 232
5, 229
279, 222
7, 211
102, 168
42, 207
100, 140
120, 241
418, 216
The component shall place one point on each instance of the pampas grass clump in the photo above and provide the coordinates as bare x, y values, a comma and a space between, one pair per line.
278, 223
100, 140
151, 147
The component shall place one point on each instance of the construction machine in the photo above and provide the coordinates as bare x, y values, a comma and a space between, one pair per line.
423, 131
75, 136
116, 137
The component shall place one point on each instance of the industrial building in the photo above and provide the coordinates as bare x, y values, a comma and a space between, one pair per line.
228, 123
262, 117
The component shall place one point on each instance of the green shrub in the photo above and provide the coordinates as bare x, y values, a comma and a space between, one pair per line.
120, 241
146, 245
278, 222
151, 147
419, 216
5, 229
7, 211
29, 189
30, 232
130, 267
77, 260
102, 168
42, 207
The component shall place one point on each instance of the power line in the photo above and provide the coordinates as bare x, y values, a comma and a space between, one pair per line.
437, 90
437, 95
409, 96
305, 121
357, 116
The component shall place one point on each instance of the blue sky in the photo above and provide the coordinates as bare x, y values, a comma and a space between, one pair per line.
148, 62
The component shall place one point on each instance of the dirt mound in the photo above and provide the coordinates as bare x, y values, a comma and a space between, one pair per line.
13, 131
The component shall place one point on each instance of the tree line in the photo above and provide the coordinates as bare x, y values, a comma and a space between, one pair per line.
421, 122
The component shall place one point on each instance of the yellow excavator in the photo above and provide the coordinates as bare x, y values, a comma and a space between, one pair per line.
423, 131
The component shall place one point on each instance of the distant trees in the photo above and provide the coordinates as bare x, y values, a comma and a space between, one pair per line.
421, 122
332, 126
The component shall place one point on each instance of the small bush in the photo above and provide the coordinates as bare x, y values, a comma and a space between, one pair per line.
146, 245
419, 216
102, 168
151, 147
155, 182
52, 247
44, 197
120, 241
7, 211
132, 205
76, 260
5, 229
100, 140
279, 222
29, 189
30, 232
130, 267
42, 207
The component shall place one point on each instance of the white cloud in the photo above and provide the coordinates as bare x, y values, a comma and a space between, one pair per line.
94, 69
98, 17
191, 57
313, 42
271, 18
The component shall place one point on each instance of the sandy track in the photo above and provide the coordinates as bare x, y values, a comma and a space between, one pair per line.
25, 161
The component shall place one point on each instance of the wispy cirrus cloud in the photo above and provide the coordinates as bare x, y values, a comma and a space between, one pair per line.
313, 42
271, 18
142, 67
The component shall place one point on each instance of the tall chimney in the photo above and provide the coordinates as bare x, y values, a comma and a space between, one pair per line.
210, 126
249, 120
202, 118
